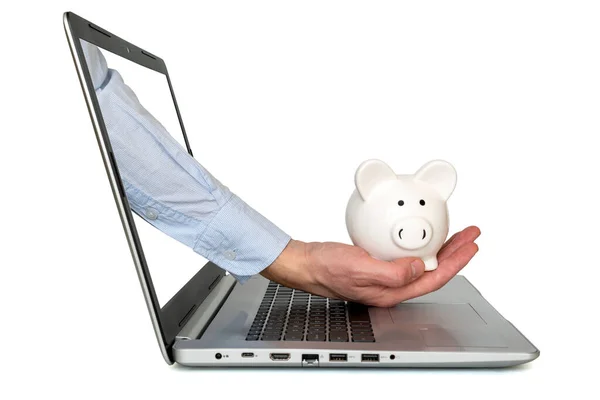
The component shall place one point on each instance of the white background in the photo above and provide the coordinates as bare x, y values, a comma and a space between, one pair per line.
282, 101
171, 263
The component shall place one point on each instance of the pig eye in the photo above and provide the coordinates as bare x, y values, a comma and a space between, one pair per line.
401, 203
422, 202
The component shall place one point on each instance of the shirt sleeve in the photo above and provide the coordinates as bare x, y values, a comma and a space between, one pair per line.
172, 191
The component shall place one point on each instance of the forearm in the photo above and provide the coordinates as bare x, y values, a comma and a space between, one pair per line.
241, 240
232, 235
172, 191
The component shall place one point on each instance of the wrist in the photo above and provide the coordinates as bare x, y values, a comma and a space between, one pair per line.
291, 267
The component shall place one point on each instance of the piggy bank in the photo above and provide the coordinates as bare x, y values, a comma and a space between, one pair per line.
393, 216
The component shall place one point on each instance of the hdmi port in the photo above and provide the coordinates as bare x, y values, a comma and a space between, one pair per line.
280, 356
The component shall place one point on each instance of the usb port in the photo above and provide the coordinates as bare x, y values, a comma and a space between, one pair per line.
369, 358
280, 356
338, 357
247, 355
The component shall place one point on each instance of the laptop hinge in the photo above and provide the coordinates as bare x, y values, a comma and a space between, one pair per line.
205, 312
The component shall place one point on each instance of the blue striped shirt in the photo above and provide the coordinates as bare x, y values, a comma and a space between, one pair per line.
169, 189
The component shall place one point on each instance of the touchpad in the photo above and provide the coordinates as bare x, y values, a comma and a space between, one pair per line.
447, 325
427, 314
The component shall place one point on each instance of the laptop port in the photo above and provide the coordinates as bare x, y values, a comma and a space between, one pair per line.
338, 357
247, 355
369, 358
310, 360
280, 356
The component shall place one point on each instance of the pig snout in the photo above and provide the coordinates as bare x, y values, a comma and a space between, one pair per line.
412, 233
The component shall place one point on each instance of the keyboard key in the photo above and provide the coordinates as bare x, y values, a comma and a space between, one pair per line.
338, 331
274, 327
316, 337
252, 337
278, 314
271, 338
363, 339
338, 338
335, 314
361, 330
317, 327
358, 312
294, 337
276, 332
298, 314
360, 323
295, 328
338, 319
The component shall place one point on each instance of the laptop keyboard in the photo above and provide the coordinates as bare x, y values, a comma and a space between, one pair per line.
289, 314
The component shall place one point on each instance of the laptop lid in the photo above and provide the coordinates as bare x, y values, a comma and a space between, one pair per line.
174, 279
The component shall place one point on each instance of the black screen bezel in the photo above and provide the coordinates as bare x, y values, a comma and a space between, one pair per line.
173, 315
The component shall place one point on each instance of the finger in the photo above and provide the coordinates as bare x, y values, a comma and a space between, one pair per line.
452, 241
449, 241
435, 279
393, 274
457, 241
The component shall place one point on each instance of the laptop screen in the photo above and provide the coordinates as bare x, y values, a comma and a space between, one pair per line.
141, 121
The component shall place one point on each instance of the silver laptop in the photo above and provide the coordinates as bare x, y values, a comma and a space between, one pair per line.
202, 316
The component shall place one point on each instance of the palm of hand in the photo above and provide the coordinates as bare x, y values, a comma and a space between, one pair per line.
350, 273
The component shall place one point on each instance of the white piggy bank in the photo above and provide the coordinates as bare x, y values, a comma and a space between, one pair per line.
393, 216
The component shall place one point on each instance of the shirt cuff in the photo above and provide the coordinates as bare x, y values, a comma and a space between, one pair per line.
240, 240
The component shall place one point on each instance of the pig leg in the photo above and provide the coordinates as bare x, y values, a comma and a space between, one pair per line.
431, 263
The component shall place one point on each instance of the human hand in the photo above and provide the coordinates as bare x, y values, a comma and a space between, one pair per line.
346, 272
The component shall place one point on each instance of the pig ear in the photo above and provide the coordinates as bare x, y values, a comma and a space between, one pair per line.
439, 174
370, 174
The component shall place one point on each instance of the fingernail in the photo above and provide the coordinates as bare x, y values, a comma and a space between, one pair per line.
416, 264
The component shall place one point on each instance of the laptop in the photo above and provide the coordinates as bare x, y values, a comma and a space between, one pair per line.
204, 317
